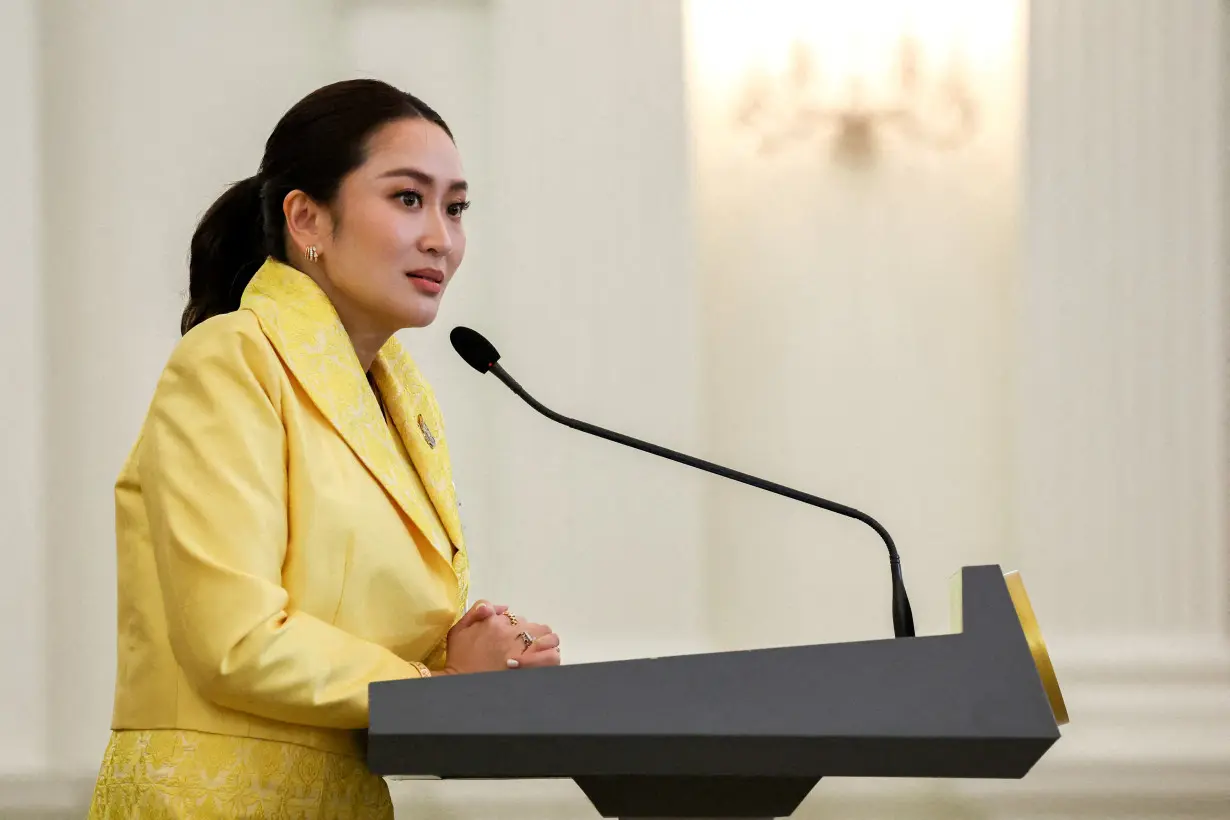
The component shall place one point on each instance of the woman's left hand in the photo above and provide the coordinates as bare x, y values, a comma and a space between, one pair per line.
542, 649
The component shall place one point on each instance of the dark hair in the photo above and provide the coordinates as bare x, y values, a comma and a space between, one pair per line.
313, 147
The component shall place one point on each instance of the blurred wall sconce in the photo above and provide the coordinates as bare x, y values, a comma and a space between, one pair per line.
804, 104
848, 75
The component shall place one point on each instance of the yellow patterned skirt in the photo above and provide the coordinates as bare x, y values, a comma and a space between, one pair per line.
167, 774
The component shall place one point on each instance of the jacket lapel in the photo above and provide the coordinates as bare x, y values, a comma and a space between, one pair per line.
418, 421
417, 417
304, 328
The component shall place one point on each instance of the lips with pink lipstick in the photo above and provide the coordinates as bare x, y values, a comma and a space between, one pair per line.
428, 280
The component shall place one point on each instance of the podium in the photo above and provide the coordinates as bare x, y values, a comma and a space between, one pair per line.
747, 733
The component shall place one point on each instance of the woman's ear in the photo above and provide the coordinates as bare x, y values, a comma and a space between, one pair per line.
308, 225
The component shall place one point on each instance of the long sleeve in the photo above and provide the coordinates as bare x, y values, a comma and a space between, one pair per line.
213, 475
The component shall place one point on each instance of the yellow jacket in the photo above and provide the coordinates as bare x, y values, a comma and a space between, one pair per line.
281, 545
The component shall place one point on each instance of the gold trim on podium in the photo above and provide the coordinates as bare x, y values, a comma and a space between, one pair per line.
1033, 636
1037, 646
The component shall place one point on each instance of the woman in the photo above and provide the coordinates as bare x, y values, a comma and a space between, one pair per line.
286, 524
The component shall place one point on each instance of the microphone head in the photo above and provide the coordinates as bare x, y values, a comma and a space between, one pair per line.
472, 346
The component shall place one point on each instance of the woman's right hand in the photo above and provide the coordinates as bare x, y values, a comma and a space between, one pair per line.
482, 642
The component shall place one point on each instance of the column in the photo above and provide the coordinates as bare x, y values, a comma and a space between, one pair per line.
593, 310
1122, 460
146, 121
22, 549
1123, 394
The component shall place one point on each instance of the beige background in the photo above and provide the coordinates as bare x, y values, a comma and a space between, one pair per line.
1012, 353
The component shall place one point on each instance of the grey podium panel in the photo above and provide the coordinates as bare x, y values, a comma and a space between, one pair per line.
764, 723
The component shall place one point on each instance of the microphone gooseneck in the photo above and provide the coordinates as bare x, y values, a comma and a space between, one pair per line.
483, 357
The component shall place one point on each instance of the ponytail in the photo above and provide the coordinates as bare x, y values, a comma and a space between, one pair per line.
227, 249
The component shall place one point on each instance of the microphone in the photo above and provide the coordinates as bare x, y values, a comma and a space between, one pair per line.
483, 357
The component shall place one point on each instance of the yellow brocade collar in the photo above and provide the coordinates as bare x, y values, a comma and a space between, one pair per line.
307, 333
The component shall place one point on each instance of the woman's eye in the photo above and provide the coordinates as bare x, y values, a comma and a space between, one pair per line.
457, 209
410, 198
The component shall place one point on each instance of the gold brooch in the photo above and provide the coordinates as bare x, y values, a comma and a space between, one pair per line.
427, 436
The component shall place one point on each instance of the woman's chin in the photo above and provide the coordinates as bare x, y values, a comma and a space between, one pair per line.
417, 312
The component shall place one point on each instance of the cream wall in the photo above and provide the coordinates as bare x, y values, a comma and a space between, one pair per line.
857, 342
1002, 352
23, 638
579, 270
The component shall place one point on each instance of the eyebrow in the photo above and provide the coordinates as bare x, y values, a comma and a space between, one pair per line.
424, 178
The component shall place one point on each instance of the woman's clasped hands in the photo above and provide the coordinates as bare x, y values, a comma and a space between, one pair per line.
489, 637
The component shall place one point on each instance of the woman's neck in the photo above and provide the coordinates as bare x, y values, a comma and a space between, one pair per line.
365, 335
367, 344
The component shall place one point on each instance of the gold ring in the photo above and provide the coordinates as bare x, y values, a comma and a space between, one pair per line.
527, 639
512, 618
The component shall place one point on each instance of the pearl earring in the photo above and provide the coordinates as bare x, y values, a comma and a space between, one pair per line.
312, 253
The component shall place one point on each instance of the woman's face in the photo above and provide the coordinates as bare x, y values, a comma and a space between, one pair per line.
395, 237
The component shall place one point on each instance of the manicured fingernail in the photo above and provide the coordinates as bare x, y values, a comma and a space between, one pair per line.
513, 663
